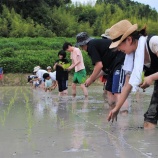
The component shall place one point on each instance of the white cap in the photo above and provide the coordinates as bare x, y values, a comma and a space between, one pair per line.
36, 68
49, 67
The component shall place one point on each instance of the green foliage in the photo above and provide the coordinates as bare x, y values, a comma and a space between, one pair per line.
31, 22
51, 18
21, 55
13, 25
7, 52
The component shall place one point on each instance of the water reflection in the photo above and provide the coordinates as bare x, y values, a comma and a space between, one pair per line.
79, 140
62, 113
45, 104
32, 121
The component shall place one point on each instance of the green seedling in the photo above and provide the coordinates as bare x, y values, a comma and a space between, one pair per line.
143, 76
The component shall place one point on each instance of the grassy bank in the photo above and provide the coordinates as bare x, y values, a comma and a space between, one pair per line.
20, 79
21, 55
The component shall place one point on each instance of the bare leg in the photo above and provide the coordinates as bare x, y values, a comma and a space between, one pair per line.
85, 91
65, 92
73, 89
124, 108
111, 99
151, 116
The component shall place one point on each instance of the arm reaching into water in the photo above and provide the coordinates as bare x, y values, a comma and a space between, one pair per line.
97, 69
123, 96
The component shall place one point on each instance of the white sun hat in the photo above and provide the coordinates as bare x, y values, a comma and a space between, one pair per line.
36, 68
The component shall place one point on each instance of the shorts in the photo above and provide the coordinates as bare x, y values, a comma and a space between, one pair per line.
36, 83
79, 76
62, 85
115, 81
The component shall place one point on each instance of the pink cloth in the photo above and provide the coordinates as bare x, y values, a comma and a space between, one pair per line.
75, 56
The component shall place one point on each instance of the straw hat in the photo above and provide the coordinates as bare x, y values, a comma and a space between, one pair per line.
36, 68
106, 34
120, 31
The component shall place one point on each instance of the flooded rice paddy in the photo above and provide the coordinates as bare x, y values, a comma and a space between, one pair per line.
35, 124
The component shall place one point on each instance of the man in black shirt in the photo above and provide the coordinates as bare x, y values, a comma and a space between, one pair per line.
104, 60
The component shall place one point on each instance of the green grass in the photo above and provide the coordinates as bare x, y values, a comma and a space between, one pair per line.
21, 55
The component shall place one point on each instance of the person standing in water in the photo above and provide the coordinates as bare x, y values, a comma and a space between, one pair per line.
105, 61
61, 73
140, 50
77, 64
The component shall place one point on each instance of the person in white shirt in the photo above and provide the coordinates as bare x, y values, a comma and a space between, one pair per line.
39, 73
49, 69
142, 52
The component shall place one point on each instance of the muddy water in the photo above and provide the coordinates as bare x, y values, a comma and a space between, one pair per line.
35, 124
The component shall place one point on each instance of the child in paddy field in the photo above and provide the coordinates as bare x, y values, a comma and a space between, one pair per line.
39, 73
33, 80
50, 81
61, 73
78, 65
49, 69
141, 50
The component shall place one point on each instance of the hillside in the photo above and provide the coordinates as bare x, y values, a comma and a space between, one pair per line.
50, 18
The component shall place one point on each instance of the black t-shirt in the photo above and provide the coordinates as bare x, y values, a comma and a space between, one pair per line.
98, 50
61, 74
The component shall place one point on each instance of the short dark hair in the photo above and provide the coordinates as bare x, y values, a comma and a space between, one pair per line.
29, 79
45, 75
63, 53
66, 45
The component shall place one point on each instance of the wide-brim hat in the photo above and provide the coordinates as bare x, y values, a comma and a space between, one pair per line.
36, 68
121, 31
106, 34
82, 39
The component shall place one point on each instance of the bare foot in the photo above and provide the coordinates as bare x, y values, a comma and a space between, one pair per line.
148, 125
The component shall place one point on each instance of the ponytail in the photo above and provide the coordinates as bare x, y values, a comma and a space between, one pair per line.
143, 32
136, 34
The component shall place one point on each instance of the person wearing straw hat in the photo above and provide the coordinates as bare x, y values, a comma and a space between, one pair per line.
142, 52
104, 60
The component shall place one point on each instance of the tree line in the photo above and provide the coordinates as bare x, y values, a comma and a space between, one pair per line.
51, 18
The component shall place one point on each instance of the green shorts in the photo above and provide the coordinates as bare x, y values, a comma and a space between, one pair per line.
80, 76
